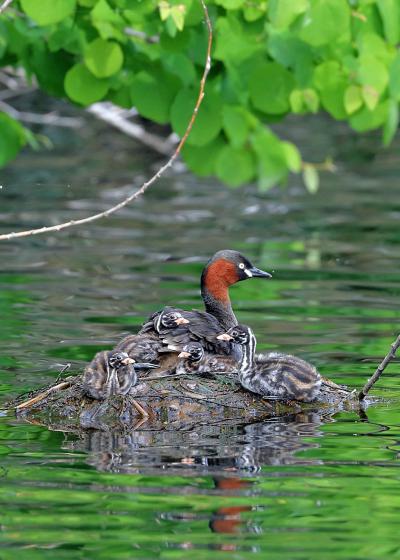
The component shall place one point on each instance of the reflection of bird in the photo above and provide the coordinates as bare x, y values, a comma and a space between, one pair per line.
111, 373
147, 347
193, 360
281, 376
222, 270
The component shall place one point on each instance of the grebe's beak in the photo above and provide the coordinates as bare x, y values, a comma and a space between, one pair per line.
181, 321
145, 365
184, 355
128, 361
225, 336
254, 272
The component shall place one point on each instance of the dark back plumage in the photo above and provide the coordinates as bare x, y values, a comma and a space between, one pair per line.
201, 327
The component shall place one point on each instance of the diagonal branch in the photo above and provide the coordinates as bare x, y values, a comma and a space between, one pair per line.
380, 369
157, 175
4, 5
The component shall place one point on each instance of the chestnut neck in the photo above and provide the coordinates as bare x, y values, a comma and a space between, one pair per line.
215, 281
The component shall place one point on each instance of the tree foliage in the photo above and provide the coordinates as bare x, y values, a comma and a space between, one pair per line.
270, 58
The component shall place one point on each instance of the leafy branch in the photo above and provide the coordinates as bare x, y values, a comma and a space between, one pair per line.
157, 175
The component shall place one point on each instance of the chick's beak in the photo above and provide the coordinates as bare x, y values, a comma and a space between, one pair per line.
181, 321
184, 355
128, 361
225, 336
257, 273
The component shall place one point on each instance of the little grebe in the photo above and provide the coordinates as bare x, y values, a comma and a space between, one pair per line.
223, 270
111, 373
193, 360
279, 376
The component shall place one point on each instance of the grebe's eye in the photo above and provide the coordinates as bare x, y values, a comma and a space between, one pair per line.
242, 266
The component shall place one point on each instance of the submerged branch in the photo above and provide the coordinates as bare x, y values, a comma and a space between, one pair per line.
380, 369
157, 175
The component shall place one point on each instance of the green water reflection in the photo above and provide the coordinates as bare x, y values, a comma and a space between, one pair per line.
302, 486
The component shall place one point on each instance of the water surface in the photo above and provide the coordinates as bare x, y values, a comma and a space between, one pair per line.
302, 486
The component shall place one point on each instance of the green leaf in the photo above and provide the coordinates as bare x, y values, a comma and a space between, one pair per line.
152, 94
373, 44
331, 83
178, 15
394, 78
270, 87
292, 156
209, 119
283, 12
311, 99
326, 21
233, 43
352, 99
46, 12
296, 101
180, 65
390, 14
253, 12
107, 21
84, 88
236, 124
103, 58
373, 73
12, 138
311, 178
230, 4
202, 159
365, 119
235, 166
392, 122
272, 158
370, 96
3, 39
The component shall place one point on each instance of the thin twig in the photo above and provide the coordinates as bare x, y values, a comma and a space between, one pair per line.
4, 5
380, 369
153, 179
43, 395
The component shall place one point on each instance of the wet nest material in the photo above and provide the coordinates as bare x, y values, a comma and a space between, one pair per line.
168, 402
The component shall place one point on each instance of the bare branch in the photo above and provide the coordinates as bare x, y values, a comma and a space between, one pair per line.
49, 118
111, 114
4, 5
141, 35
380, 369
153, 179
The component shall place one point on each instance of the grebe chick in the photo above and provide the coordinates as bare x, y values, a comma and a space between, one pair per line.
194, 360
279, 376
111, 373
147, 347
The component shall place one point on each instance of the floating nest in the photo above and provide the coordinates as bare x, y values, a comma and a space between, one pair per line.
166, 402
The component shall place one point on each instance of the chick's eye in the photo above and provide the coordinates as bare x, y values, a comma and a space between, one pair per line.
242, 266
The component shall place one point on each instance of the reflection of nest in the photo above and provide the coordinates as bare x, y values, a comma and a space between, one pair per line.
228, 449
192, 422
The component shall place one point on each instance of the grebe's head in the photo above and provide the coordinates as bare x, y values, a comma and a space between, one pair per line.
239, 334
119, 359
192, 351
231, 267
171, 319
